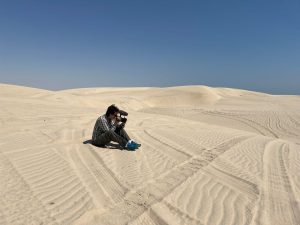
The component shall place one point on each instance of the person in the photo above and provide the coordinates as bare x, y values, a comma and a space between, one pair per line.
108, 128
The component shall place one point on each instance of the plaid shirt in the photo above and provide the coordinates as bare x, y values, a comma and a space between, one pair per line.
102, 125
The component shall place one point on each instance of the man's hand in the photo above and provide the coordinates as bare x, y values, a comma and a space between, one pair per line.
122, 125
118, 119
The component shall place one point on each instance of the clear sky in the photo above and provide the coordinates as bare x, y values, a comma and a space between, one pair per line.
59, 44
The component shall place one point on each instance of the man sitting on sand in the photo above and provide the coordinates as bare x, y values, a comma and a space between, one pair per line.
108, 128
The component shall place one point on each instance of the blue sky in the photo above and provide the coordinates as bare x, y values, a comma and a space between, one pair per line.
55, 45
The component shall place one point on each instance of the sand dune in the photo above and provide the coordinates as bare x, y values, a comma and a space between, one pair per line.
208, 156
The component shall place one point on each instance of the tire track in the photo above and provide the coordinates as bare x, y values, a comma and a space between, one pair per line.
251, 123
54, 183
19, 205
277, 200
176, 152
104, 176
241, 185
137, 201
227, 116
100, 197
262, 127
279, 125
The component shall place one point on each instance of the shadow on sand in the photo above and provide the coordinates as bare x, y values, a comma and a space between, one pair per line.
110, 145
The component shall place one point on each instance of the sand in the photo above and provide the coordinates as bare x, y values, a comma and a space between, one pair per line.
208, 156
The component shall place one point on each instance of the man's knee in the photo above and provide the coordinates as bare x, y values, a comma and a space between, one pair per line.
110, 133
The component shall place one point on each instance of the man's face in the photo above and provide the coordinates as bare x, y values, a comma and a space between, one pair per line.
113, 116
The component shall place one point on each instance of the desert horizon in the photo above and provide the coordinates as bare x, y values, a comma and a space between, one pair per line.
208, 156
149, 113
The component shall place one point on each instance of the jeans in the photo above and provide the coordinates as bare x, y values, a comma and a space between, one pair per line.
120, 137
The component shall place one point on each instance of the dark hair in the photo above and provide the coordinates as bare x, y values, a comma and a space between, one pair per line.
111, 110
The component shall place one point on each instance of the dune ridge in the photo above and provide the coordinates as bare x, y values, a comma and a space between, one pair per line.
208, 156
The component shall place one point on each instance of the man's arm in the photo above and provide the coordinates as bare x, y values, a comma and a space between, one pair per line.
104, 126
120, 127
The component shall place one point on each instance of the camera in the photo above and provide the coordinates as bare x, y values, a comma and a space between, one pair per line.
122, 118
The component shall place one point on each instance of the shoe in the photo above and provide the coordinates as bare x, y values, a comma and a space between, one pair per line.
136, 144
131, 146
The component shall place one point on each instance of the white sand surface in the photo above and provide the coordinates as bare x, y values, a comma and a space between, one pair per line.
208, 156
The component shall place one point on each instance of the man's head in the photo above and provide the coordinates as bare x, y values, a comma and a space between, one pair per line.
112, 112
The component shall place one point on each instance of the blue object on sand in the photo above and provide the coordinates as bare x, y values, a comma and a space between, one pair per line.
132, 146
137, 144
